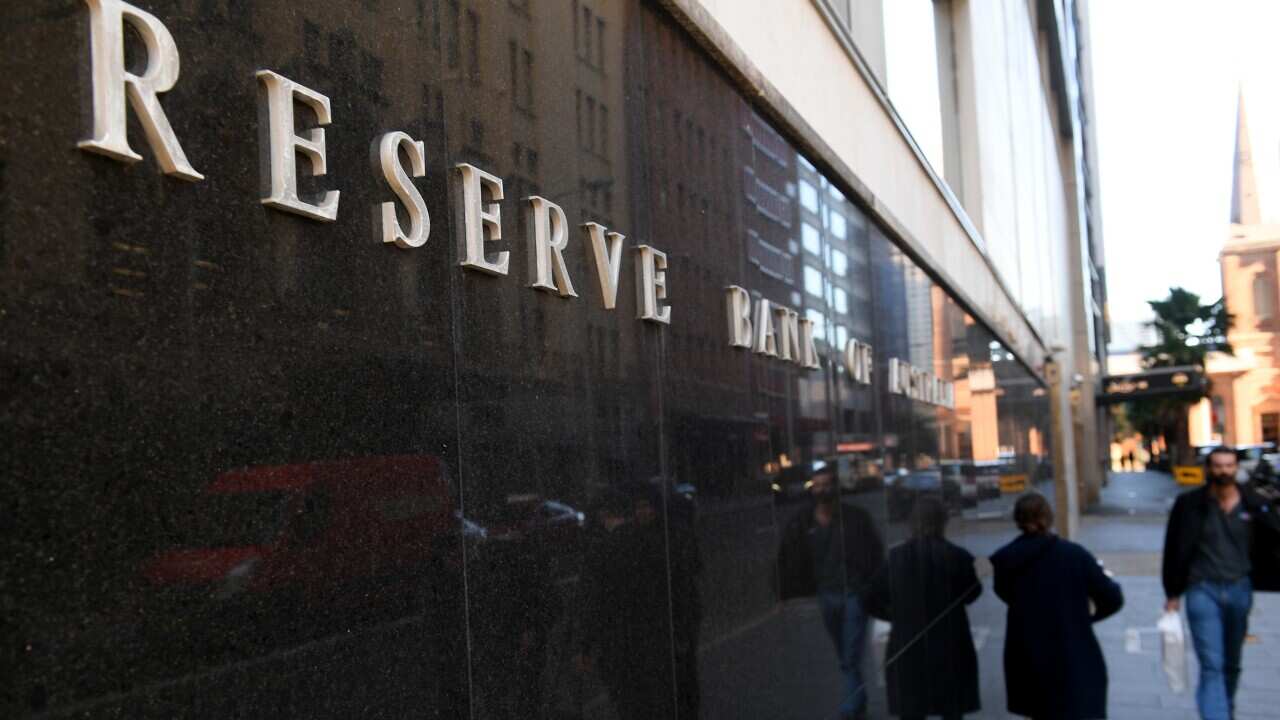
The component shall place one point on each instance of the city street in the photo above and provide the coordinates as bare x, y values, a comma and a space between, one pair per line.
1125, 531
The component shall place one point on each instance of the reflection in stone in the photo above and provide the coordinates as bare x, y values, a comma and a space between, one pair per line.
931, 667
627, 630
832, 551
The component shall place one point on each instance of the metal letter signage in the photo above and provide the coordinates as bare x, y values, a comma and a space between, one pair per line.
808, 348
608, 261
477, 193
920, 384
858, 361
285, 144
478, 221
787, 327
772, 330
765, 342
112, 82
548, 237
738, 304
389, 160
651, 285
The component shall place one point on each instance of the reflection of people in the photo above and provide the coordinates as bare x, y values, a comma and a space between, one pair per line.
1053, 664
931, 666
832, 551
512, 607
1209, 555
628, 627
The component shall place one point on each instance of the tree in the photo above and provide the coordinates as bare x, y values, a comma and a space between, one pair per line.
1186, 330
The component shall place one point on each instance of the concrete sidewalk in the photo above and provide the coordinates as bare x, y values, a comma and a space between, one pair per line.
783, 665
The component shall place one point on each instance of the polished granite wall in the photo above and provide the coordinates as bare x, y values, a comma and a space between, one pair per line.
262, 464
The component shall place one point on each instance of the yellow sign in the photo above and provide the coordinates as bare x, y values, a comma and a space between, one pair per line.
1013, 483
1188, 474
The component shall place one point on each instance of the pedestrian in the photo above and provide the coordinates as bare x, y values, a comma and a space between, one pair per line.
931, 667
1055, 590
626, 633
831, 550
1211, 550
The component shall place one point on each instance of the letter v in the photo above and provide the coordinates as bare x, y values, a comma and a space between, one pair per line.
608, 262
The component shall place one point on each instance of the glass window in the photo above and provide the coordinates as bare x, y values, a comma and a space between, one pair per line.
838, 227
819, 321
839, 263
1263, 303
810, 238
841, 301
808, 196
842, 336
812, 281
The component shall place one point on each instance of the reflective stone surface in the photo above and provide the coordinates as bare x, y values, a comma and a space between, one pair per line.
262, 465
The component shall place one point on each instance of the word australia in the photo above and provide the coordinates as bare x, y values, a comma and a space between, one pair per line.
478, 213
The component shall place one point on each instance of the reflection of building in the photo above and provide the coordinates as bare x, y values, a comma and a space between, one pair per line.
1244, 406
160, 334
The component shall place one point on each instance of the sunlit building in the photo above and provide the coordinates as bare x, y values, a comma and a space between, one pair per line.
1244, 403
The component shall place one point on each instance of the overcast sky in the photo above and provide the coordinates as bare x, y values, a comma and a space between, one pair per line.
1166, 74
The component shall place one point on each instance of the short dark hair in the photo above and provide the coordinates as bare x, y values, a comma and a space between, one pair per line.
1033, 514
1220, 450
929, 518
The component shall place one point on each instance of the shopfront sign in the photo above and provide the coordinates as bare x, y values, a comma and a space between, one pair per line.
1185, 381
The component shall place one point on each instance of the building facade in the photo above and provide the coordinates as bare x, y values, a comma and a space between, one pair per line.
1244, 403
474, 358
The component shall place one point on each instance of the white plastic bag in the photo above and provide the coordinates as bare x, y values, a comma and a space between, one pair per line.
1173, 650
880, 646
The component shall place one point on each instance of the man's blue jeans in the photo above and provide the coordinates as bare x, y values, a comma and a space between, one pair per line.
1218, 614
846, 623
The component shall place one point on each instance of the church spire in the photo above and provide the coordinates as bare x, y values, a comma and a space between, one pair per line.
1244, 187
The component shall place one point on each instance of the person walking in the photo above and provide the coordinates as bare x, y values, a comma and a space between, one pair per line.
931, 667
832, 551
1211, 550
1055, 590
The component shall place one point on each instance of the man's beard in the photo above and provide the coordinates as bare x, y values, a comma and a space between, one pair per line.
1222, 479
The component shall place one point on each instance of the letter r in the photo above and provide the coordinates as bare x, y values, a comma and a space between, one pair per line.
112, 82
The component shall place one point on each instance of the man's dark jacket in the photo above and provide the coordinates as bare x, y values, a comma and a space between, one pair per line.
1053, 665
863, 552
1186, 526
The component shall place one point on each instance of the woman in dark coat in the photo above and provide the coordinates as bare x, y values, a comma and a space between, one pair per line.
1053, 665
931, 667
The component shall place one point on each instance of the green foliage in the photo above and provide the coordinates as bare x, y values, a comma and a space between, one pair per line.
1187, 330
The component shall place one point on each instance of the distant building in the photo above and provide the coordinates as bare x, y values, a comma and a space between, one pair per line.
1244, 406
